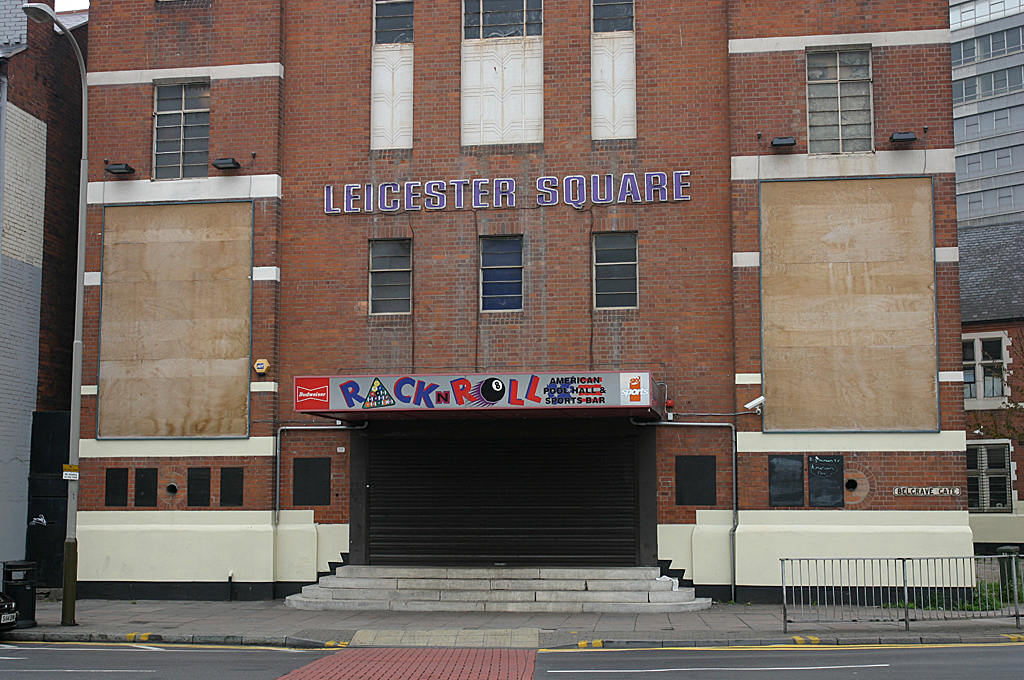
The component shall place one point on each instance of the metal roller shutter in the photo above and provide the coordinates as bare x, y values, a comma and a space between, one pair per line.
482, 502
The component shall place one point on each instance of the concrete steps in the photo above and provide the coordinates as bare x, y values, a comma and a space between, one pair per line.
563, 590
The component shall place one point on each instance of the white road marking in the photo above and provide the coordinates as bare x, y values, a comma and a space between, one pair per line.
13, 658
729, 668
152, 649
72, 670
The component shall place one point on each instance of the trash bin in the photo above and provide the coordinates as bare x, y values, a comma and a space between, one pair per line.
20, 584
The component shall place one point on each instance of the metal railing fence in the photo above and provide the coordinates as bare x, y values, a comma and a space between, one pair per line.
901, 589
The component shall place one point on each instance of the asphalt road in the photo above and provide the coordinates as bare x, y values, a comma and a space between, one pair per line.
918, 662
57, 661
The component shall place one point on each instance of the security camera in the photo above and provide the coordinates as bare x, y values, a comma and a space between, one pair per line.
756, 404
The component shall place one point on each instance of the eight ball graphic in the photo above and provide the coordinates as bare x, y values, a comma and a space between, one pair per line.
492, 389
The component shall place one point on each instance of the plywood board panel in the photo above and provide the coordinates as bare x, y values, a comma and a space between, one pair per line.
869, 220
848, 305
155, 400
176, 301
177, 223
850, 389
171, 261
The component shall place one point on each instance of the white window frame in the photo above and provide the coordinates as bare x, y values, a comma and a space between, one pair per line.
983, 475
981, 402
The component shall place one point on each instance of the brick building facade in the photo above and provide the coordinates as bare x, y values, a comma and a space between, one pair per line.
400, 208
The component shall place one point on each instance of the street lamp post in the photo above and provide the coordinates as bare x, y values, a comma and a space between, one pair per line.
41, 13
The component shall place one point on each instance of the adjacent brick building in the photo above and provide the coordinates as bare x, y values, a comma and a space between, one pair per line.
40, 133
532, 265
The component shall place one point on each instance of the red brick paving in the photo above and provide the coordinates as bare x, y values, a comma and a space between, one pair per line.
420, 664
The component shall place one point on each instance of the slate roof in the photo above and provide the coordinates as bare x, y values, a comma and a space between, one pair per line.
992, 272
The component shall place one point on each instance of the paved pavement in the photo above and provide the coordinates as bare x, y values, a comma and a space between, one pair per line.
271, 623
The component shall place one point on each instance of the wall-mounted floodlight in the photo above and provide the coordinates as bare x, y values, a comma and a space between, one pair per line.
783, 141
119, 169
226, 164
903, 137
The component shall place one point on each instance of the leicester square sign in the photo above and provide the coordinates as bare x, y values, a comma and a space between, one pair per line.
369, 396
483, 193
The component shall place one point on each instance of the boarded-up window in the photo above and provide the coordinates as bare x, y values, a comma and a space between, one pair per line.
174, 344
786, 481
231, 486
311, 481
199, 487
145, 487
695, 480
848, 305
116, 491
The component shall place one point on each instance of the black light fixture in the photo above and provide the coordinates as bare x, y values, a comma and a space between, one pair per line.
903, 137
119, 169
783, 141
226, 164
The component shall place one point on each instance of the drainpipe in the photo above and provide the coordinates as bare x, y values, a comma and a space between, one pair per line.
735, 484
277, 455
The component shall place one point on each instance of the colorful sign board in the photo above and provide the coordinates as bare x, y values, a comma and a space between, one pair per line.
369, 396
481, 193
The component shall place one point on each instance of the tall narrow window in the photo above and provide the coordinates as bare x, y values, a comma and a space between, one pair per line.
988, 477
615, 270
502, 72
182, 117
501, 273
839, 101
391, 277
502, 18
391, 80
613, 71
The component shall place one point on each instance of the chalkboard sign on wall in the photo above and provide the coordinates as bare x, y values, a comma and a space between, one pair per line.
825, 481
785, 481
695, 480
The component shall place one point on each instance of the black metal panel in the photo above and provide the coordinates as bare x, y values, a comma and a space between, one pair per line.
503, 501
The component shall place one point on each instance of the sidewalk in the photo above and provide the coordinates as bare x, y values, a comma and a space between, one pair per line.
271, 623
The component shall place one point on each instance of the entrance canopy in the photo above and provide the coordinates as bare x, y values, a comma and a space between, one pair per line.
367, 397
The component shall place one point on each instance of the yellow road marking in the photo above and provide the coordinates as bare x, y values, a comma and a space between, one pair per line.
817, 648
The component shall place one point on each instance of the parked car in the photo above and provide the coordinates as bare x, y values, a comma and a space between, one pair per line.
8, 614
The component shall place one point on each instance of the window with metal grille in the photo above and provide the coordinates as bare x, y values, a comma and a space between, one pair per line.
502, 18
984, 365
839, 101
391, 277
501, 273
392, 21
615, 270
613, 15
988, 477
182, 147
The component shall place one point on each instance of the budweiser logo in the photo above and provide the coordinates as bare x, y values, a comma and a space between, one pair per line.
311, 393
